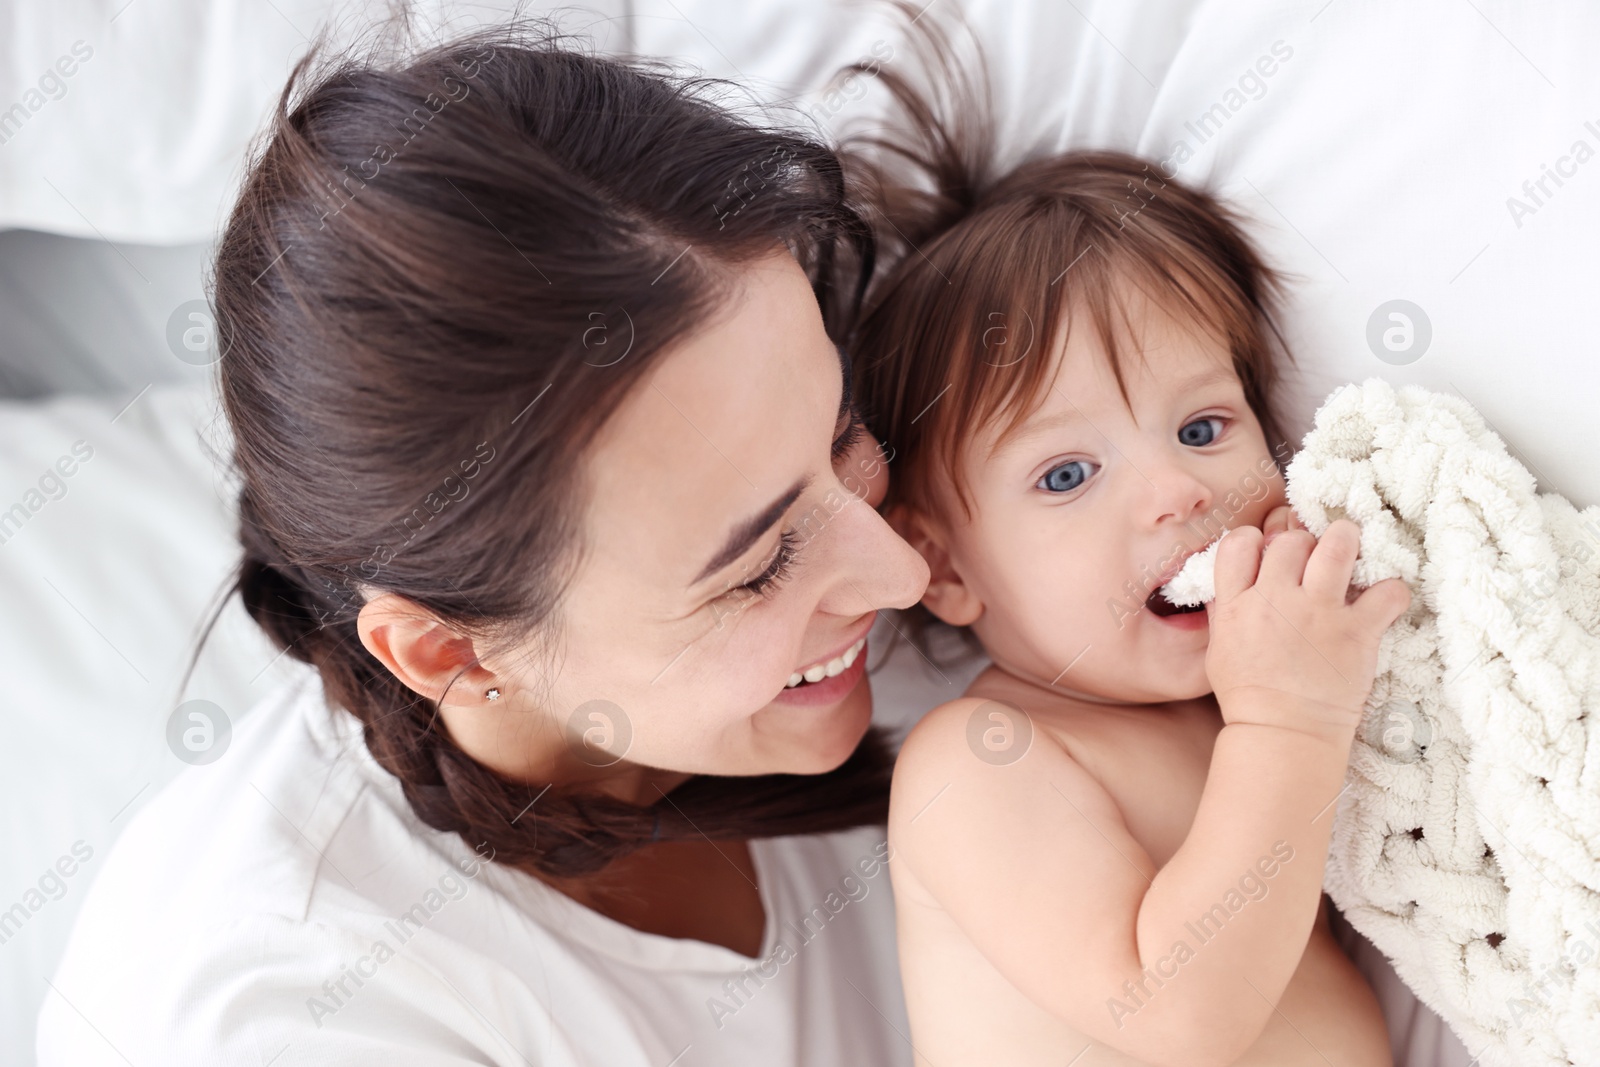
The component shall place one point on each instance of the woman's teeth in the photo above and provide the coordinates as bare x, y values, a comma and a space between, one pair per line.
837, 665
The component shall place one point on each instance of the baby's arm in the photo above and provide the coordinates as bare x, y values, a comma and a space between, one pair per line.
1034, 861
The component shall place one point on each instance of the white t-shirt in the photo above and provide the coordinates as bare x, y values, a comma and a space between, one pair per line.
283, 906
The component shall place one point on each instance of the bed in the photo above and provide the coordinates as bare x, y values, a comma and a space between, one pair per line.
1427, 174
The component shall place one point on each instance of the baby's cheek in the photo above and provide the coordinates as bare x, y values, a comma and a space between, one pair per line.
1250, 502
1064, 624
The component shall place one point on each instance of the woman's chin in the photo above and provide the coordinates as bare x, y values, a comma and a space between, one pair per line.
814, 738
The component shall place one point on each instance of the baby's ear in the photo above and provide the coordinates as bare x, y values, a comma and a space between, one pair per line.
948, 596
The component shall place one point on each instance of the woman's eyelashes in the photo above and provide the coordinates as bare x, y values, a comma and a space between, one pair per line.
782, 561
1203, 431
778, 567
850, 436
781, 564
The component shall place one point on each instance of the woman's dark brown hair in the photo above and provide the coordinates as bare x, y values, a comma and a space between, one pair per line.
442, 275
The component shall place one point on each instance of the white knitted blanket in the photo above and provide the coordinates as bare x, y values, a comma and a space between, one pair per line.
1466, 845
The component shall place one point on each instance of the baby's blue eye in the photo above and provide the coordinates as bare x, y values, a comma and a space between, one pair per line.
1200, 432
1067, 477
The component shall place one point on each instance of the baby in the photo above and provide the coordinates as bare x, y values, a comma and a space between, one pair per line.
1110, 850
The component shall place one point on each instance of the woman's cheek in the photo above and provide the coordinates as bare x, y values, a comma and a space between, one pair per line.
758, 660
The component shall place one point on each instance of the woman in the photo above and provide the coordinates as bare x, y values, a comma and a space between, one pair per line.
549, 470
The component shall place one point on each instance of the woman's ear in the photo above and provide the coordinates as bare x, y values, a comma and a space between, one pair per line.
417, 648
949, 596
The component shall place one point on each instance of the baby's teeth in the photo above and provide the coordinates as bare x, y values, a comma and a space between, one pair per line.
835, 666
795, 679
817, 673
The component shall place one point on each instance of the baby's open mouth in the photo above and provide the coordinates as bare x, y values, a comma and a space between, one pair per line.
1159, 605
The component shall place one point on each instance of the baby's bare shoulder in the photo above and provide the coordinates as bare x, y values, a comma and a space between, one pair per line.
991, 756
993, 728
970, 733
988, 804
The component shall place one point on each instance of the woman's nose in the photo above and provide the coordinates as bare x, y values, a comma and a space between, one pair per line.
873, 566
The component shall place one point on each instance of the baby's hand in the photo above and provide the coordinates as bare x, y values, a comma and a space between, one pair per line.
1286, 650
1280, 519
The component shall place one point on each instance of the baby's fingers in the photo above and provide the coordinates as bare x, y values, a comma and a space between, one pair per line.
1332, 562
1238, 560
1280, 519
1381, 604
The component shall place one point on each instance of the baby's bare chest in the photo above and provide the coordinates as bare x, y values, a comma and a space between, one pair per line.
1155, 771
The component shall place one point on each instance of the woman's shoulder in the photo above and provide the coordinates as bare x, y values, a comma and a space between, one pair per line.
243, 890
246, 832
257, 987
293, 905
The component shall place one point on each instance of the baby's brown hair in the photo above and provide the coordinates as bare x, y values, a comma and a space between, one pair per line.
986, 270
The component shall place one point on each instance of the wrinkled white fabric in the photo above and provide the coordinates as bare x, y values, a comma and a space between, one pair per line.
284, 905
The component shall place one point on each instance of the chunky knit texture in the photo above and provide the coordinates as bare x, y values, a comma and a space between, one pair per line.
1467, 843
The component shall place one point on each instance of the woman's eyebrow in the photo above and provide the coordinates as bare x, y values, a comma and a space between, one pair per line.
745, 534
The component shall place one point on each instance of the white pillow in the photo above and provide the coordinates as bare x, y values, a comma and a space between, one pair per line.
1385, 159
144, 139
129, 121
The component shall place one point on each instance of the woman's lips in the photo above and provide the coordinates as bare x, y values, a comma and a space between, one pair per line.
829, 690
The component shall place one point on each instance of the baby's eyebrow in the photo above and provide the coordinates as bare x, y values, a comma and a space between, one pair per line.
1038, 425
1042, 424
1215, 376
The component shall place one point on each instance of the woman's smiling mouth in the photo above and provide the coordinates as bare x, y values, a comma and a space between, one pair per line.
828, 668
828, 681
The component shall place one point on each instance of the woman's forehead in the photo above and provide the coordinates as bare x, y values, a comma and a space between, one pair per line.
727, 423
